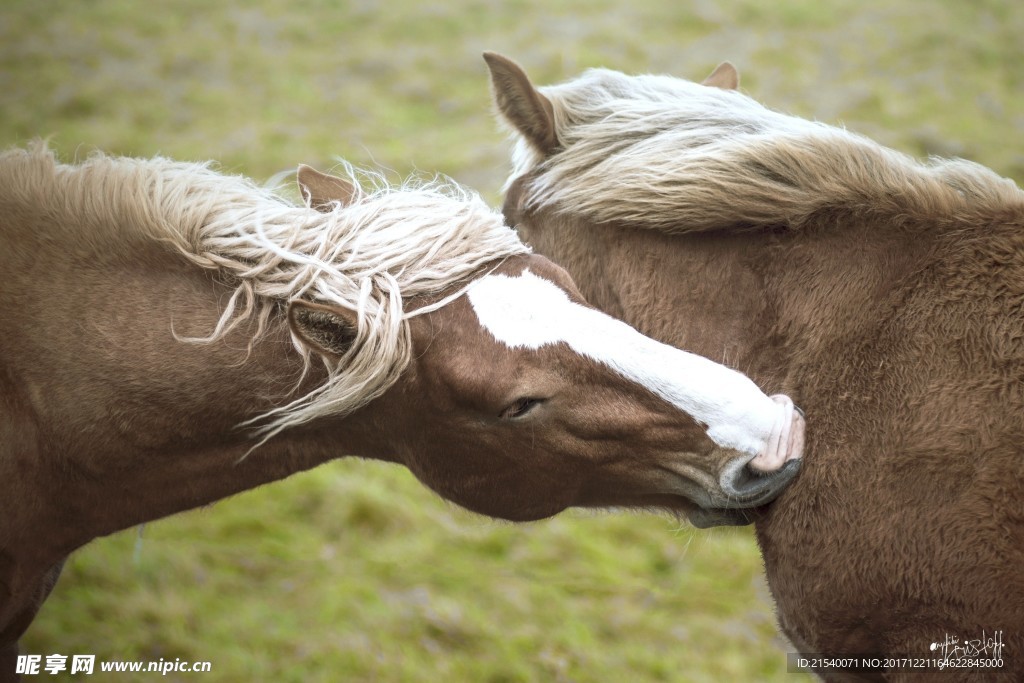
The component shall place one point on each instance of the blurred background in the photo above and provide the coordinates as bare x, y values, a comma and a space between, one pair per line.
354, 572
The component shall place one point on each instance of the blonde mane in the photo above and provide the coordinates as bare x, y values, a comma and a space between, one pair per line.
672, 155
390, 245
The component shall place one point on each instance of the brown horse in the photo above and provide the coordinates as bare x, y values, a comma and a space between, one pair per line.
171, 336
885, 295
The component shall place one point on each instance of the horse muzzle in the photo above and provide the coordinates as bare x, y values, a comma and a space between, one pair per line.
755, 481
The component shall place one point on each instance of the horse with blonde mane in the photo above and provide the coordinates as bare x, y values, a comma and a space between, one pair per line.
885, 295
170, 336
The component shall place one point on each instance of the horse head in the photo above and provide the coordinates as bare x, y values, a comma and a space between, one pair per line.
521, 400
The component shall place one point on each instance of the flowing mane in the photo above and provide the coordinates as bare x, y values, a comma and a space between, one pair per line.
671, 155
392, 243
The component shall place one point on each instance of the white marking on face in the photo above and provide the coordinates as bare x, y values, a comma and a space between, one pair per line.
530, 312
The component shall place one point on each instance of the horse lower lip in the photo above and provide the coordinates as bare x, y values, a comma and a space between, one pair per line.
705, 519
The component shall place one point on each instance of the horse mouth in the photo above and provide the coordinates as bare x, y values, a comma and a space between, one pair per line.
705, 519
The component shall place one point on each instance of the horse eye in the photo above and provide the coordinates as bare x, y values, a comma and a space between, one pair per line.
520, 407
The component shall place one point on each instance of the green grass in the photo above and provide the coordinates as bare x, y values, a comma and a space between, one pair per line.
354, 572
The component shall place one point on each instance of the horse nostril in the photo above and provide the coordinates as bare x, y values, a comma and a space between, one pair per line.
744, 480
799, 411
750, 488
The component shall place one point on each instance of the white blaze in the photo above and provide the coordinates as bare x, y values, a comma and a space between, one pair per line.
530, 312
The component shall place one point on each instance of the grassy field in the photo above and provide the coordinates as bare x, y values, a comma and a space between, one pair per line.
354, 572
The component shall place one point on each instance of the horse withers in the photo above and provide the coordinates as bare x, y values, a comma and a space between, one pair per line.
171, 335
885, 295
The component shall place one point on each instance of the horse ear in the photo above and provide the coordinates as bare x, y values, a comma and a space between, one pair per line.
329, 330
322, 190
725, 76
521, 104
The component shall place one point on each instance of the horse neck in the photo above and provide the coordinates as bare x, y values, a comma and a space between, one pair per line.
114, 421
760, 302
